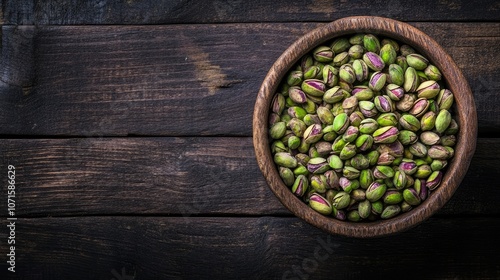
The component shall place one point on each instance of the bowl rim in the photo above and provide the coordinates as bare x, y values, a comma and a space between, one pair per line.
466, 118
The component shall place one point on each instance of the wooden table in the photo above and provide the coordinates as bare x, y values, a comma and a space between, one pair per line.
129, 127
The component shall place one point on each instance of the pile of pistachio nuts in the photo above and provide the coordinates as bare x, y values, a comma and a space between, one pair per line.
362, 128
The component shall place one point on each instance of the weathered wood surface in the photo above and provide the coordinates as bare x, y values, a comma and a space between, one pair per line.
180, 176
65, 12
248, 248
180, 80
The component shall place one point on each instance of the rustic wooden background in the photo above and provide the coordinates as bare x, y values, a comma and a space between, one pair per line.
129, 123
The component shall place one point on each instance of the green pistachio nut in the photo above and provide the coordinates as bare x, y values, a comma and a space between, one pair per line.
452, 128
294, 78
406, 50
356, 51
409, 122
405, 207
293, 142
350, 172
401, 61
317, 165
383, 172
375, 191
297, 126
394, 91
273, 118
394, 44
313, 87
334, 95
390, 211
335, 163
423, 171
361, 69
323, 148
362, 93
448, 140
385, 159
420, 107
348, 152
387, 119
411, 197
434, 180
313, 134
371, 43
350, 134
350, 104
341, 123
373, 157
340, 45
400, 179
355, 118
377, 207
311, 72
445, 99
443, 120
364, 142
301, 170
364, 209
429, 138
439, 152
388, 54
368, 109
348, 185
417, 61
421, 77
366, 178
418, 149
432, 72
411, 80
384, 104
353, 216
287, 176
278, 103
386, 134
357, 39
332, 179
360, 162
341, 59
296, 112
427, 121
330, 75
396, 74
373, 61
302, 159
297, 95
377, 81
393, 197
320, 204
346, 73
368, 126
318, 183
428, 89
325, 115
278, 147
341, 200
323, 54
278, 130
358, 194
408, 166
438, 164
338, 145
285, 160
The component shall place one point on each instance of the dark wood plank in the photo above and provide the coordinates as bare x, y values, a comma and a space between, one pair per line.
249, 248
180, 176
182, 79
64, 12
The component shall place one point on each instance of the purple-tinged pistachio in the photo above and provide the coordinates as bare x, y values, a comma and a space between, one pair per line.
323, 148
368, 109
294, 78
387, 119
341, 200
396, 75
383, 172
311, 72
452, 128
434, 180
386, 134
384, 104
395, 148
419, 107
428, 121
394, 92
377, 81
340, 45
332, 179
409, 122
407, 137
375, 191
417, 61
418, 149
350, 173
390, 211
297, 126
411, 196
341, 123
311, 119
448, 140
364, 142
371, 43
423, 171
362, 93
273, 118
334, 95
350, 134
438, 164
287, 175
341, 59
313, 134
325, 115
306, 62
439, 152
443, 120
373, 61
335, 163
317, 165
360, 69
385, 159
278, 104
300, 186
408, 166
364, 209
406, 102
368, 126
393, 197
338, 145
432, 72
322, 54
405, 207
366, 178
373, 157
356, 51
346, 73
353, 216
406, 50
400, 179
411, 80
297, 112
428, 89
278, 130
345, 85
401, 61
340, 214
285, 160
318, 183
355, 118
293, 142
429, 138
360, 162
348, 152
347, 185
297, 95
388, 54
445, 99
330, 75
320, 204
349, 104
313, 87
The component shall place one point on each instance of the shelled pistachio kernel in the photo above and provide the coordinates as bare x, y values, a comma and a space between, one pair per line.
362, 128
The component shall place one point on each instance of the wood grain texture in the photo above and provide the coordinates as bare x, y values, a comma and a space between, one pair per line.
181, 80
465, 116
248, 248
65, 12
180, 176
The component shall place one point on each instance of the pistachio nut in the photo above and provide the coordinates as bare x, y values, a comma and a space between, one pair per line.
432, 72
428, 89
317, 165
287, 176
368, 109
346, 73
364, 209
434, 180
361, 69
384, 104
366, 178
377, 81
320, 204
297, 95
411, 196
348, 151
390, 211
360, 162
400, 179
423, 171
417, 61
340, 45
368, 126
362, 93
335, 163
387, 119
443, 120
371, 43
313, 134
313, 87
300, 185
383, 172
408, 166
356, 51
406, 102
407, 137
411, 80
373, 61
296, 112
438, 152
429, 138
355, 118
393, 197
341, 59
319, 183
396, 75
375, 191
323, 54
293, 142
445, 99
350, 104
388, 54
395, 92
341, 200
386, 134
341, 123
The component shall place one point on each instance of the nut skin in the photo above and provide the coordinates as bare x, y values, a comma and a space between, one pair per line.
417, 61
341, 200
364, 209
411, 196
443, 120
388, 54
409, 122
364, 142
287, 176
420, 107
362, 93
396, 74
375, 191
278, 130
386, 134
445, 99
300, 186
377, 81
317, 165
395, 92
432, 72
323, 54
347, 74
438, 152
313, 134
368, 126
297, 95
313, 87
428, 89
320, 204
434, 180
384, 104
373, 61
371, 43
361, 69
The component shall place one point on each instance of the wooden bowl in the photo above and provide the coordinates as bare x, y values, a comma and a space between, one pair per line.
465, 115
